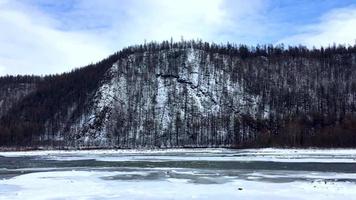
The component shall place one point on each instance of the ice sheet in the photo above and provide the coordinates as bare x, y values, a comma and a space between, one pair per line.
91, 185
274, 155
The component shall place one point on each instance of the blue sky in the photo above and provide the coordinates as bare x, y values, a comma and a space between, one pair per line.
54, 36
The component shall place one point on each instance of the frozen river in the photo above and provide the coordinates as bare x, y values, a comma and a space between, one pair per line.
179, 174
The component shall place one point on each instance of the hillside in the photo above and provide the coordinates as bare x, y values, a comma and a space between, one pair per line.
188, 94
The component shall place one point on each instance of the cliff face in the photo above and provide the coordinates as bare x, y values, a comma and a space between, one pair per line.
169, 99
189, 97
194, 96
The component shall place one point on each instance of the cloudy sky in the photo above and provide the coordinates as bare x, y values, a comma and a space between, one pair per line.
54, 36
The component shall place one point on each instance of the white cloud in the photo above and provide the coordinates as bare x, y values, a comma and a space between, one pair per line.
192, 19
44, 36
31, 45
36, 41
337, 26
2, 69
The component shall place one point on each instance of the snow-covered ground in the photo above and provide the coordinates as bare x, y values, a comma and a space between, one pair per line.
93, 185
179, 174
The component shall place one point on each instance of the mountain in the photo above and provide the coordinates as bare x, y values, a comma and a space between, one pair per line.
188, 94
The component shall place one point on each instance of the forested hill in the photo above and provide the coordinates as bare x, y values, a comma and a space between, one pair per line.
188, 94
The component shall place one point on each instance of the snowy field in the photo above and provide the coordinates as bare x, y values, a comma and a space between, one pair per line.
179, 174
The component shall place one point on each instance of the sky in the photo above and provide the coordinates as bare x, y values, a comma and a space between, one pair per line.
54, 36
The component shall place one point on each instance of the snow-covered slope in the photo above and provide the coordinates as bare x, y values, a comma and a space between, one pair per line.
166, 103
187, 98
193, 95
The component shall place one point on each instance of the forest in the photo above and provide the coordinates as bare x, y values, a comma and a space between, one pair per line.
188, 94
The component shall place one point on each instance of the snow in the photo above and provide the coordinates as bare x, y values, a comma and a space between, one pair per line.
193, 61
162, 96
93, 185
104, 99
